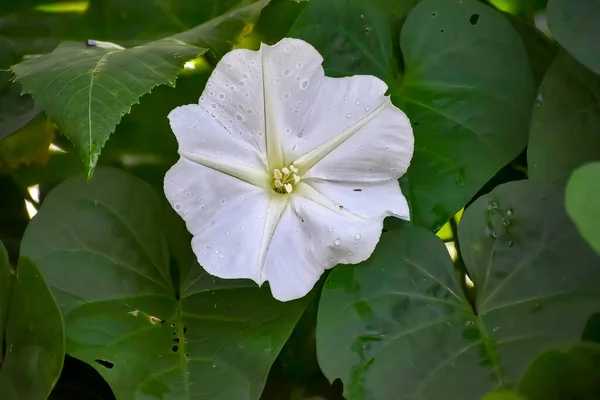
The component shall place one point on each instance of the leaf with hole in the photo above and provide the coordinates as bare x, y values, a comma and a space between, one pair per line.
519, 247
136, 304
468, 92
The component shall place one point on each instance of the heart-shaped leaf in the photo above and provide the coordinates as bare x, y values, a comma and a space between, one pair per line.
468, 91
399, 327
136, 304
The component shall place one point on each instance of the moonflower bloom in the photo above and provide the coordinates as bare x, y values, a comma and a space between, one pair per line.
284, 172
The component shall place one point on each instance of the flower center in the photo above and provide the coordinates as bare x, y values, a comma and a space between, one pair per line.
284, 179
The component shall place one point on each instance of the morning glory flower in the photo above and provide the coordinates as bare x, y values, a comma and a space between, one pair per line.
284, 172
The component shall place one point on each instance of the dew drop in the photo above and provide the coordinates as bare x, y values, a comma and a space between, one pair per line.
348, 115
304, 84
177, 207
367, 109
239, 117
217, 251
288, 131
249, 111
337, 241
287, 72
223, 201
286, 96
245, 76
213, 106
358, 236
299, 64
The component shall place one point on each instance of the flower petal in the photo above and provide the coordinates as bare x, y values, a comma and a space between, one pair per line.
225, 215
204, 140
311, 238
366, 199
293, 75
233, 96
380, 150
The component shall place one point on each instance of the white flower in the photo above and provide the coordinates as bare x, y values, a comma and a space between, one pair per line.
285, 172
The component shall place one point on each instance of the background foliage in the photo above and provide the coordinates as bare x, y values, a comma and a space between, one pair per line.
491, 292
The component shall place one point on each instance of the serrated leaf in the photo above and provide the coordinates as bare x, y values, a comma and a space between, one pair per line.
136, 304
468, 92
87, 89
31, 328
399, 327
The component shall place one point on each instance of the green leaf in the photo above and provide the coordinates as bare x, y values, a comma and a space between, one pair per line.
115, 265
565, 125
582, 194
575, 24
468, 91
399, 327
503, 395
32, 330
540, 48
220, 21
353, 36
558, 375
86, 90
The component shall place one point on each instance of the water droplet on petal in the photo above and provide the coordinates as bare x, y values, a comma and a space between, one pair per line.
304, 84
337, 241
348, 115
177, 207
287, 72
223, 201
358, 236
